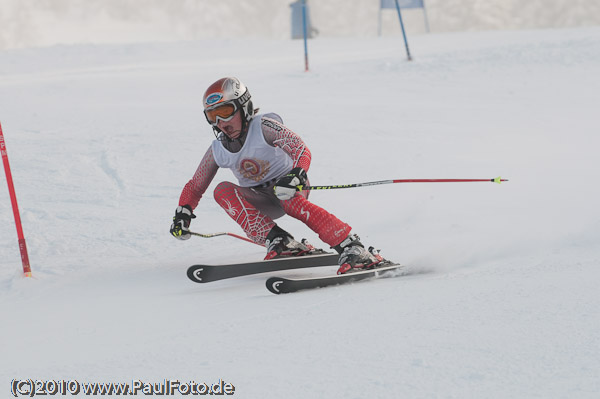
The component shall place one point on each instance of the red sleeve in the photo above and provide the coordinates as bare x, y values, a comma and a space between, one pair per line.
196, 187
278, 135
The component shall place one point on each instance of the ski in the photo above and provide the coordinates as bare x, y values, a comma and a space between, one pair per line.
280, 285
208, 273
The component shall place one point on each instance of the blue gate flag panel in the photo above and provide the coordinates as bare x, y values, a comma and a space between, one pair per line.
402, 3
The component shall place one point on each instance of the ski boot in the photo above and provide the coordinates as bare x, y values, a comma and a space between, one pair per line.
353, 255
280, 244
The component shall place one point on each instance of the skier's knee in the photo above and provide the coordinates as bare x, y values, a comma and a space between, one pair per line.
223, 189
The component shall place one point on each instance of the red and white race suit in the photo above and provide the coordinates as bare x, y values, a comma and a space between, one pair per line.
270, 151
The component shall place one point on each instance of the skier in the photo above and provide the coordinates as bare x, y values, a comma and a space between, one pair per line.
270, 163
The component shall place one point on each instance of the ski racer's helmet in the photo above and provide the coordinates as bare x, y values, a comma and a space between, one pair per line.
223, 98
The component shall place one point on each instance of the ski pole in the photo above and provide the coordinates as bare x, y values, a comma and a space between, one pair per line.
210, 235
375, 183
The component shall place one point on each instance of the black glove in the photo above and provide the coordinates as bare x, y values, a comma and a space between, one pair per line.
286, 187
181, 222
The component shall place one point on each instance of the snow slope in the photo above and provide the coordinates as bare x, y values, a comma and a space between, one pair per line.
500, 293
27, 23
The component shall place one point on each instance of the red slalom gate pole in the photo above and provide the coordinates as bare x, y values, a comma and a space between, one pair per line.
13, 200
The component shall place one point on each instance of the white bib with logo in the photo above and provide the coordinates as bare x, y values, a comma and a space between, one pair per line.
257, 162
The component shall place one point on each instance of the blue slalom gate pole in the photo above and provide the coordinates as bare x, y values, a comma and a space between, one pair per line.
304, 31
403, 32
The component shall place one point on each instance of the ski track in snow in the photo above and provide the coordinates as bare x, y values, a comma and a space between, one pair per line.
499, 295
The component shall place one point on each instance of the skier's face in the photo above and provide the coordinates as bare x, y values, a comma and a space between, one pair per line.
233, 127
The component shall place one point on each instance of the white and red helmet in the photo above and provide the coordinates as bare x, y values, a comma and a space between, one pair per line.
224, 97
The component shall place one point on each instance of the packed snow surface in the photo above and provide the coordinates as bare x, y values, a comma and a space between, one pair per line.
499, 296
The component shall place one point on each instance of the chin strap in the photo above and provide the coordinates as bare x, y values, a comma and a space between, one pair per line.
222, 136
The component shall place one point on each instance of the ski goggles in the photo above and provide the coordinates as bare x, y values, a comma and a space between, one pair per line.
224, 112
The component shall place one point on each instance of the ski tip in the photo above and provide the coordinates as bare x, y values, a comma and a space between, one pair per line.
273, 285
195, 274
